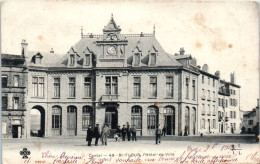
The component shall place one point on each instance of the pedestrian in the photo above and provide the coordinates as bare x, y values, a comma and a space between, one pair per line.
118, 132
89, 135
105, 134
186, 131
128, 132
158, 133
164, 130
123, 133
97, 134
133, 130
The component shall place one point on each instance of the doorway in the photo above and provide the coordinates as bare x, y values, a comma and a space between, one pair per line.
72, 120
111, 117
209, 125
169, 121
16, 131
37, 124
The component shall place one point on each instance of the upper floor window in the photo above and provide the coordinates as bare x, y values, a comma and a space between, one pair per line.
208, 94
4, 81
4, 103
193, 90
169, 86
214, 95
56, 85
153, 86
38, 86
15, 102
208, 80
87, 87
111, 85
202, 79
72, 60
137, 59
87, 59
72, 87
187, 88
16, 80
137, 86
153, 58
213, 82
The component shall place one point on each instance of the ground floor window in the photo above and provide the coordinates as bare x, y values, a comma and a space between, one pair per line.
56, 117
152, 117
136, 117
86, 117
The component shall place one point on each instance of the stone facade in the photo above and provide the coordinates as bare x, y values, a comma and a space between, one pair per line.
118, 79
14, 84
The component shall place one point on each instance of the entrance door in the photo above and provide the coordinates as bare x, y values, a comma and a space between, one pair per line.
209, 124
111, 118
72, 120
15, 131
169, 122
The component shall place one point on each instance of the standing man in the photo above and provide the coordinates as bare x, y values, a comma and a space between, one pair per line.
105, 134
118, 132
89, 135
128, 132
97, 134
158, 133
133, 130
164, 130
123, 133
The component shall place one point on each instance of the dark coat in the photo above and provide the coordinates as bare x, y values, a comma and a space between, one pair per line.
123, 130
89, 134
96, 132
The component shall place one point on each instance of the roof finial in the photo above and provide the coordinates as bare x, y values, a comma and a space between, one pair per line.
154, 30
81, 32
111, 15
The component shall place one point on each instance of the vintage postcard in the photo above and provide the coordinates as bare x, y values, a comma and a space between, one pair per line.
101, 82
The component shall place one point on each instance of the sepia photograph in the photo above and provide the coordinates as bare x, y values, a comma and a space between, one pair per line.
104, 82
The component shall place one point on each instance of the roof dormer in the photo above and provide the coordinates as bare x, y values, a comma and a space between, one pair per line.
153, 53
87, 59
37, 59
72, 58
137, 53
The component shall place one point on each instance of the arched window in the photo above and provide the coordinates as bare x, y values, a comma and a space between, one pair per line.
87, 112
56, 117
136, 117
169, 120
187, 118
152, 117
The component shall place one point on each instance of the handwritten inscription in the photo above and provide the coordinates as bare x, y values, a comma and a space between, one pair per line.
192, 154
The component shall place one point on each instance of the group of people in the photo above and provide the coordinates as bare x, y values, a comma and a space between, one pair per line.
129, 132
125, 132
97, 134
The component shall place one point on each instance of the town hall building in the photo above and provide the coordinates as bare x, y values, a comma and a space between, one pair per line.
115, 79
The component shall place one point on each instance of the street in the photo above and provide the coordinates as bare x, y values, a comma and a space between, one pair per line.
60, 149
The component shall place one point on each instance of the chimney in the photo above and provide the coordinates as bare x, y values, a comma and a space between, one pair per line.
233, 78
52, 51
176, 54
182, 51
205, 68
217, 73
24, 48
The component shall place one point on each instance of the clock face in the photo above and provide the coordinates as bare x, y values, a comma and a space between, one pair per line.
111, 50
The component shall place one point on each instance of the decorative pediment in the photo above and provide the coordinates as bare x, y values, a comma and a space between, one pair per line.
137, 50
87, 51
153, 50
111, 25
72, 51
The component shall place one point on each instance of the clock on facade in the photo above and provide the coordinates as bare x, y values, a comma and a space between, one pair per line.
111, 50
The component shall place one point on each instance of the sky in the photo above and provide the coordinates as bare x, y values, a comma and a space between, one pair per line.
225, 35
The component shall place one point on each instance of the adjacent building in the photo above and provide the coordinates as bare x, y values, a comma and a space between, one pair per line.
250, 122
121, 79
14, 92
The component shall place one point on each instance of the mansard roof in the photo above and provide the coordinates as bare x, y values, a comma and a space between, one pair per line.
47, 59
144, 44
